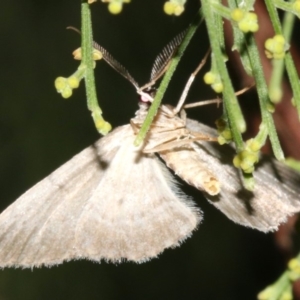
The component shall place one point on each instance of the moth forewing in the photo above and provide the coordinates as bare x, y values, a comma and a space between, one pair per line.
140, 216
111, 202
23, 225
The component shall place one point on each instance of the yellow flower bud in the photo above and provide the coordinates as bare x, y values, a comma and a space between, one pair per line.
293, 264
275, 94
221, 140
218, 87
227, 134
169, 8
60, 83
243, 26
252, 17
102, 126
209, 78
73, 82
237, 14
97, 55
179, 9
253, 145
279, 38
115, 7
253, 27
269, 44
66, 93
77, 54
237, 161
270, 107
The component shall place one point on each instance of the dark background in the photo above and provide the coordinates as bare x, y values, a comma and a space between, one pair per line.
39, 131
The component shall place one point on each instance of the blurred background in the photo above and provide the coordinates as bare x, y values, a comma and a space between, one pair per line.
39, 131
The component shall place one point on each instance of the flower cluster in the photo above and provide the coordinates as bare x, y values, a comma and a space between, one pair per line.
276, 47
174, 7
65, 85
214, 80
247, 158
225, 135
246, 21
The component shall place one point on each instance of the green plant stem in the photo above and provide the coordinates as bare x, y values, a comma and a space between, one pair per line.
288, 26
221, 10
275, 291
239, 42
236, 120
248, 4
294, 80
220, 31
284, 5
263, 95
87, 64
287, 31
275, 87
273, 16
166, 79
293, 163
225, 12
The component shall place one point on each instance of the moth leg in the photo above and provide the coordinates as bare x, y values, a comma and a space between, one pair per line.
181, 101
134, 127
203, 137
183, 116
180, 143
170, 146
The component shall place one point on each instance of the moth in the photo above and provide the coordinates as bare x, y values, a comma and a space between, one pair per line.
114, 201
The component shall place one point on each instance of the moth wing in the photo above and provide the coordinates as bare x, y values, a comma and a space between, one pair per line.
276, 193
105, 203
39, 227
136, 211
